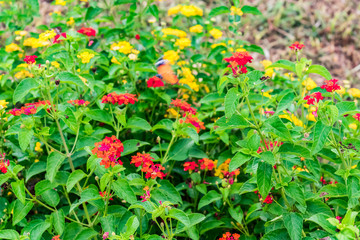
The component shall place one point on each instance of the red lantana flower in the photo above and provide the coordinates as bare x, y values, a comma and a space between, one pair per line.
195, 122
338, 218
58, 36
229, 236
120, 99
23, 110
147, 165
137, 37
109, 150
269, 146
79, 102
155, 171
186, 107
296, 46
331, 85
206, 164
30, 59
146, 196
87, 31
155, 82
190, 166
268, 199
357, 116
57, 237
314, 97
104, 194
238, 61
4, 163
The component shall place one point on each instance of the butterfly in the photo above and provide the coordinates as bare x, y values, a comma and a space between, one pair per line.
165, 72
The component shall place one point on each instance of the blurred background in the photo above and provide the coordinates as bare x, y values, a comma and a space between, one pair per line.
328, 28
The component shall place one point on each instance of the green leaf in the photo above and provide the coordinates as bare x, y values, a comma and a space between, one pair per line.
285, 102
180, 150
231, 102
318, 69
138, 123
21, 210
349, 218
278, 234
43, 186
154, 10
210, 197
170, 191
54, 162
25, 136
51, 197
192, 133
132, 145
268, 157
218, 11
294, 224
35, 168
346, 107
25, 86
67, 77
92, 12
275, 125
131, 225
321, 133
180, 216
58, 221
36, 228
251, 10
294, 191
237, 214
123, 190
100, 116
285, 64
238, 160
295, 149
19, 190
74, 178
321, 220
9, 234
264, 173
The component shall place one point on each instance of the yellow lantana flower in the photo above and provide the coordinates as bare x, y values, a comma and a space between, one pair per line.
174, 32
216, 33
174, 10
71, 21
85, 56
236, 11
353, 126
196, 29
190, 11
38, 147
55, 64
354, 92
309, 84
45, 36
122, 47
3, 104
21, 33
183, 42
171, 56
12, 47
269, 72
60, 2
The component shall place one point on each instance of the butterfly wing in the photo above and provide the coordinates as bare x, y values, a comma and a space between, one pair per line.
165, 71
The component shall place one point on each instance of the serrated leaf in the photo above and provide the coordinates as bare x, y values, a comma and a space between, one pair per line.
58, 220
25, 86
19, 190
218, 11
210, 197
321, 132
74, 178
321, 70
21, 210
123, 190
231, 102
238, 160
25, 136
67, 77
285, 64
54, 162
276, 126
264, 173
294, 224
